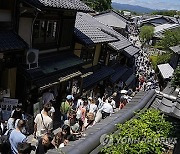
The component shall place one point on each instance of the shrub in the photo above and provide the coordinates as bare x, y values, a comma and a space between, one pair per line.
141, 135
160, 59
176, 77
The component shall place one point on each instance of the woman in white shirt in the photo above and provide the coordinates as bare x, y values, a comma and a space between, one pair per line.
93, 106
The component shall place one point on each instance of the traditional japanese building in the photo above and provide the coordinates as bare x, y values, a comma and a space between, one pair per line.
156, 21
175, 60
37, 43
109, 53
115, 20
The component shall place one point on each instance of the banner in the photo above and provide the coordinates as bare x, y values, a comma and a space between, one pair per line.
7, 106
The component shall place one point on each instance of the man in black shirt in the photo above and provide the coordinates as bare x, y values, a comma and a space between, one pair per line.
45, 144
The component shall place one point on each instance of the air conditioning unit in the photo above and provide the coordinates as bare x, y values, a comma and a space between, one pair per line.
32, 58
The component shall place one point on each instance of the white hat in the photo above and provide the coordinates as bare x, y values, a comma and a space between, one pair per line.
66, 122
123, 91
90, 98
70, 97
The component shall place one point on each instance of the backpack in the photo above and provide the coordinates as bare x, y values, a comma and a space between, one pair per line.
65, 107
5, 146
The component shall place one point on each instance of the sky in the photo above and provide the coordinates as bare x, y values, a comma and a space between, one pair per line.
154, 4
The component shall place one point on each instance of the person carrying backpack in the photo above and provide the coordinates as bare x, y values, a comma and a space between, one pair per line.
65, 108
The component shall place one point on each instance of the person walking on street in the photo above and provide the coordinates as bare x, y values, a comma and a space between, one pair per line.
43, 123
17, 137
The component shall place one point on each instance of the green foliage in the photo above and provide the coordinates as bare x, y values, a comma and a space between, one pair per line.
99, 5
176, 77
142, 135
160, 59
153, 60
171, 38
166, 13
146, 33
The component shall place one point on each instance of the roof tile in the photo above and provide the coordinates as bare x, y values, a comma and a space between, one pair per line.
90, 31
11, 41
63, 4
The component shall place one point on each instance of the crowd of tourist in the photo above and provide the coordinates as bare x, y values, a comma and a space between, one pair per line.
76, 117
145, 73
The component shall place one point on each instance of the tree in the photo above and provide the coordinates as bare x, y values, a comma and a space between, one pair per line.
99, 5
176, 77
171, 38
146, 33
166, 13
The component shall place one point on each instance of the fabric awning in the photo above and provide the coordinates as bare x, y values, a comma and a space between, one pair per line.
130, 80
96, 77
53, 80
119, 71
126, 75
166, 70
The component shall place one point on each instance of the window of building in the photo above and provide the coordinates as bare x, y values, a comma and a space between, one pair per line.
87, 53
45, 32
103, 55
6, 4
113, 59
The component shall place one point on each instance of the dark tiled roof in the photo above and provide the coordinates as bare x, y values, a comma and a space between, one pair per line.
119, 45
168, 107
152, 19
119, 71
62, 4
176, 49
60, 64
131, 51
167, 103
97, 76
89, 31
112, 18
11, 41
53, 67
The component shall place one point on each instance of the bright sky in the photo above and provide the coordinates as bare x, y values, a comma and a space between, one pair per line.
154, 4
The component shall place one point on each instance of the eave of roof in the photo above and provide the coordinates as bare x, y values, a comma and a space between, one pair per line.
113, 12
10, 41
60, 4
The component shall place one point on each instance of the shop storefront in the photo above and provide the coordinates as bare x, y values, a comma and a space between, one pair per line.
97, 81
60, 73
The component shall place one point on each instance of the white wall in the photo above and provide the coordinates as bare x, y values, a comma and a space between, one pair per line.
5, 15
25, 29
